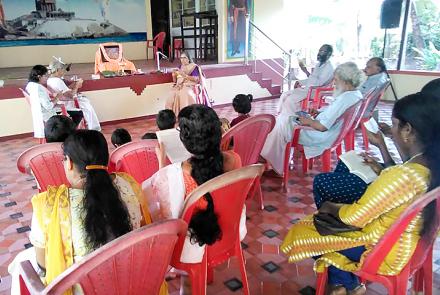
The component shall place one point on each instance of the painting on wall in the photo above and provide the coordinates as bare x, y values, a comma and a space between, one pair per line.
52, 22
236, 15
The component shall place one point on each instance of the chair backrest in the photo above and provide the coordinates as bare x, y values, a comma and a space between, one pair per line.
378, 93
363, 107
137, 158
135, 263
249, 137
159, 39
46, 163
347, 118
314, 91
373, 261
229, 192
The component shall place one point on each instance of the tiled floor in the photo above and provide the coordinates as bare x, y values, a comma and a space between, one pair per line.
268, 271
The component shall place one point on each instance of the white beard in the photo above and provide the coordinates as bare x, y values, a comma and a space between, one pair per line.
338, 91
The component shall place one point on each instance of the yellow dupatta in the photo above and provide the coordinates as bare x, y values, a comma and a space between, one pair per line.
52, 210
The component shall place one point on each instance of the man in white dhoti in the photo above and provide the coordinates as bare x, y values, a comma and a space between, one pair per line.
347, 78
56, 83
289, 102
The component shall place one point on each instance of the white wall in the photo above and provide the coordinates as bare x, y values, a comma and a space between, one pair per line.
25, 56
408, 83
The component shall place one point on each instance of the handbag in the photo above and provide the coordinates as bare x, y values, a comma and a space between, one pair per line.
327, 224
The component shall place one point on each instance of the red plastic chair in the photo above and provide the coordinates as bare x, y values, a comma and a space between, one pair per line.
380, 92
45, 161
137, 158
315, 95
157, 43
349, 139
135, 263
229, 192
347, 117
420, 265
249, 137
177, 47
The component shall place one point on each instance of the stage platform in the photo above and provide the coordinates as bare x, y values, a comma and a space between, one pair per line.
131, 96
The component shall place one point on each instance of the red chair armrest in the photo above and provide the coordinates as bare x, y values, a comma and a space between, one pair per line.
30, 278
76, 102
296, 131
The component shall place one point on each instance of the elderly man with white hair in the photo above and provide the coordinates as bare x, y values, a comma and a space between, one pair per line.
56, 83
326, 128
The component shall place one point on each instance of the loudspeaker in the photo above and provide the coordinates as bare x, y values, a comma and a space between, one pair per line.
390, 14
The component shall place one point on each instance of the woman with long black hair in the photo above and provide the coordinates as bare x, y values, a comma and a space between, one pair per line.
69, 222
415, 133
200, 133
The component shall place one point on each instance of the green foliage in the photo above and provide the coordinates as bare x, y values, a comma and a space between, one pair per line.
429, 19
430, 57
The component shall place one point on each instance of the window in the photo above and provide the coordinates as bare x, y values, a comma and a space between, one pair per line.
179, 7
352, 27
422, 48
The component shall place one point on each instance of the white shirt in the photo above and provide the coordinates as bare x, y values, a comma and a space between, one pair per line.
372, 82
321, 75
58, 85
42, 107
316, 142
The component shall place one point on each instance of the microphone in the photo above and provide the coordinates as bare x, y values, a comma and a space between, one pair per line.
162, 55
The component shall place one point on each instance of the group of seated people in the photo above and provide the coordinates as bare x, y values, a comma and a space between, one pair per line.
48, 90
48, 93
103, 206
349, 89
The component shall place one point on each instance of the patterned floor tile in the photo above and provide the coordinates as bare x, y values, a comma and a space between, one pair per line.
281, 210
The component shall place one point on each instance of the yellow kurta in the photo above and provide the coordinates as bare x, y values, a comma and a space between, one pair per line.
382, 203
52, 211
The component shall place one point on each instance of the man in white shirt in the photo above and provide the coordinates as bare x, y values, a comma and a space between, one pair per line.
57, 84
325, 126
322, 75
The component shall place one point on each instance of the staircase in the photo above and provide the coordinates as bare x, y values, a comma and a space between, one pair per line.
266, 78
269, 63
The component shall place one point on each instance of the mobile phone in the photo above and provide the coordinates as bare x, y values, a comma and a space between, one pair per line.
302, 114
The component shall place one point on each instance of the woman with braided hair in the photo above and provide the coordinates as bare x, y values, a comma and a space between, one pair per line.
167, 189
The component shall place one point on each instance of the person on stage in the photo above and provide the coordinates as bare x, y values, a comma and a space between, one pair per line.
189, 85
109, 57
56, 83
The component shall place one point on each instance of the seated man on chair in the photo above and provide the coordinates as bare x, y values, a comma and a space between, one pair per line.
289, 102
109, 57
375, 70
325, 127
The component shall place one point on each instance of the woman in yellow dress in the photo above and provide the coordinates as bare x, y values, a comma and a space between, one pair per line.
415, 133
69, 222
